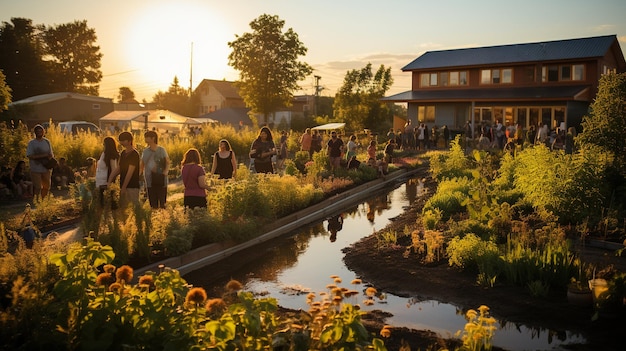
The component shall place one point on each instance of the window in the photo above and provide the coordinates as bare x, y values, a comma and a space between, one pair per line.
507, 76
485, 76
454, 78
95, 106
433, 79
426, 114
463, 78
554, 73
443, 77
424, 79
579, 72
496, 76
566, 72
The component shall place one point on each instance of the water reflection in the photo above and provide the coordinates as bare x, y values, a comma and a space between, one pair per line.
290, 266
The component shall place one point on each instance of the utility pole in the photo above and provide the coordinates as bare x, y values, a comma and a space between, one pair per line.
191, 70
318, 89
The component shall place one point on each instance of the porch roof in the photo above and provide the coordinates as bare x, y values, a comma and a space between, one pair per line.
573, 92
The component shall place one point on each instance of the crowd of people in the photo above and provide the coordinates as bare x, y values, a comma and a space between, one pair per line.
120, 162
514, 135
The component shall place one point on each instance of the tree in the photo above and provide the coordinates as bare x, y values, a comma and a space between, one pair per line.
267, 61
125, 95
605, 126
74, 57
5, 93
21, 58
357, 102
175, 99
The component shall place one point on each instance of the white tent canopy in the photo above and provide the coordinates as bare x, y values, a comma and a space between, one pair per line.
160, 120
330, 126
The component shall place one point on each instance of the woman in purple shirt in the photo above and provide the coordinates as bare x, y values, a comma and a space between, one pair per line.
194, 180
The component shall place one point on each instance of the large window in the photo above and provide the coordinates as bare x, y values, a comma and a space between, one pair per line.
443, 79
556, 73
496, 76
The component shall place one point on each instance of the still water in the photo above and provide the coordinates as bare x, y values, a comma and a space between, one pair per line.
291, 266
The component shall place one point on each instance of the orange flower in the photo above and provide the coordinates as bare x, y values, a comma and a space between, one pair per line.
124, 273
234, 285
196, 296
215, 306
105, 279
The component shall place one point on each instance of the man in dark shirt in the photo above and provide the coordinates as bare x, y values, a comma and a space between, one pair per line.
334, 148
128, 169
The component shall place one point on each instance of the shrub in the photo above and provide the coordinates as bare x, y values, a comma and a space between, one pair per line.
451, 164
448, 197
466, 252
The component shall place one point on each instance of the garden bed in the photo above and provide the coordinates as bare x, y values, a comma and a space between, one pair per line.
388, 270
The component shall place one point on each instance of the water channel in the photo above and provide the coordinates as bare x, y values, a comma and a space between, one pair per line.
289, 267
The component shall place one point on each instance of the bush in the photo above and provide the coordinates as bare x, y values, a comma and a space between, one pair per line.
448, 197
466, 252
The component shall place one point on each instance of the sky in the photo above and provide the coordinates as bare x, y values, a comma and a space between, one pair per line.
145, 44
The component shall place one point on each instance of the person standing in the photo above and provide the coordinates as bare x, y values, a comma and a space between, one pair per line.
446, 136
305, 141
38, 151
194, 179
389, 149
108, 161
334, 148
371, 150
262, 150
316, 143
128, 170
224, 161
155, 164
351, 147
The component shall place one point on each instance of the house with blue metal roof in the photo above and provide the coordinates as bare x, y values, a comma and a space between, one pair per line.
545, 83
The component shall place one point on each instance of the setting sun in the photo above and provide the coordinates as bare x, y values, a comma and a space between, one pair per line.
159, 45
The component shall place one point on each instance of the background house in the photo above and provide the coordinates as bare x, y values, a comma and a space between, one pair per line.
219, 100
550, 83
61, 107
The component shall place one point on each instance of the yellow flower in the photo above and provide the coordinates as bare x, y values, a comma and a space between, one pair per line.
370, 291
385, 332
356, 281
483, 309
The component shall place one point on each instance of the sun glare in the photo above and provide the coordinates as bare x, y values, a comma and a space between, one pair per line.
159, 45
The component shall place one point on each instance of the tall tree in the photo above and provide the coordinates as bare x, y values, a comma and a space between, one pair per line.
74, 57
125, 95
21, 58
5, 93
175, 99
357, 102
605, 125
267, 61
